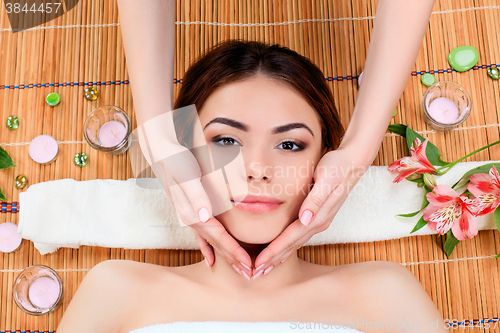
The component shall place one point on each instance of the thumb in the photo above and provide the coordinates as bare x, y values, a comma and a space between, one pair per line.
315, 199
198, 197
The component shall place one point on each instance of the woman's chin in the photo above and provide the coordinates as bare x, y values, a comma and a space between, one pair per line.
249, 237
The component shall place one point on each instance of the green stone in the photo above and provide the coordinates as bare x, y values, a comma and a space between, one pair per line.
394, 114
494, 73
21, 181
428, 79
80, 159
463, 58
91, 93
53, 99
12, 122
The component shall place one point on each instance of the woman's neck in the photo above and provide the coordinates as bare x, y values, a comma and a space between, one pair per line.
280, 276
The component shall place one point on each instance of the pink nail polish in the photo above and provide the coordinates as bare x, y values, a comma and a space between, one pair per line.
260, 267
236, 269
257, 275
242, 264
206, 261
268, 270
282, 261
306, 217
246, 275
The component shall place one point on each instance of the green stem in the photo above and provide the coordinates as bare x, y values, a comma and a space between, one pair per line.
449, 166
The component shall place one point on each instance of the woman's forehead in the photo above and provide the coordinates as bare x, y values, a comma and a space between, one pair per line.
259, 102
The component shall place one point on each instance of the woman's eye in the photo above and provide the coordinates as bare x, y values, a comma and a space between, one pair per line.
226, 141
291, 145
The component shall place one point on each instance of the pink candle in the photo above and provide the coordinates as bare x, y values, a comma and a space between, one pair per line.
43, 149
112, 133
44, 292
443, 110
9, 238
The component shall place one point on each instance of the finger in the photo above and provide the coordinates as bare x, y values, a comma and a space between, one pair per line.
285, 241
222, 242
199, 199
183, 206
189, 181
329, 209
186, 174
319, 193
205, 248
300, 235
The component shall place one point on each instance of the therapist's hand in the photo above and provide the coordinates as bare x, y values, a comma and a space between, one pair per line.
335, 175
179, 173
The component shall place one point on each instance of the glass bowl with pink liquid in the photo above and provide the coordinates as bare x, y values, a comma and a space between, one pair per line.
446, 105
108, 129
38, 290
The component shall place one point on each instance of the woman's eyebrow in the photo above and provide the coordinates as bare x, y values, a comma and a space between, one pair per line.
243, 127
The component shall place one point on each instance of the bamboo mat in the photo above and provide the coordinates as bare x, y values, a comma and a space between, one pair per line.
84, 46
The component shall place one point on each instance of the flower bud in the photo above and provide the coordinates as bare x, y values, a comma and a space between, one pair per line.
429, 181
414, 176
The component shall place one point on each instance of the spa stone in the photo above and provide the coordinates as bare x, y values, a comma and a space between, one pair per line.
53, 99
494, 73
463, 58
91, 93
80, 159
12, 122
428, 79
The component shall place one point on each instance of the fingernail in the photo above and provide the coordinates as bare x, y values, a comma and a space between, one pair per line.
257, 275
203, 215
236, 269
268, 270
242, 264
306, 217
246, 275
206, 261
282, 261
260, 267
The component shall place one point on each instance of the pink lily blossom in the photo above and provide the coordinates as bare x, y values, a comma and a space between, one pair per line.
417, 163
486, 189
448, 210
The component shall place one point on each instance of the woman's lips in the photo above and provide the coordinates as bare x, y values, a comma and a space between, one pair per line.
257, 207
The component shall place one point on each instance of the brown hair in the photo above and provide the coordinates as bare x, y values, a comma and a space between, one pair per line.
236, 60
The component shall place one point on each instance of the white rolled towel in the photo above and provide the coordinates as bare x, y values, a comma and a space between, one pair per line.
122, 214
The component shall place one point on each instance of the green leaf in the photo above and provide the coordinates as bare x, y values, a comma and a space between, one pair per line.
2, 196
420, 224
432, 152
425, 202
5, 160
450, 243
480, 169
398, 129
410, 214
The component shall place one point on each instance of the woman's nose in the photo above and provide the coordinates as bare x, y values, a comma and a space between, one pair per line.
258, 166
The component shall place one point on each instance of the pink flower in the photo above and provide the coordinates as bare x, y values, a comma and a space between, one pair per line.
417, 163
486, 189
447, 210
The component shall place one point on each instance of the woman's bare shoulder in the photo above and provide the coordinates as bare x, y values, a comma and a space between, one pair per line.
98, 300
392, 294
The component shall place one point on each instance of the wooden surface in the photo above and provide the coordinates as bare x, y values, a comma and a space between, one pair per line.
85, 46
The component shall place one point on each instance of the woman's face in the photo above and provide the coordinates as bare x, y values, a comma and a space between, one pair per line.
279, 135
